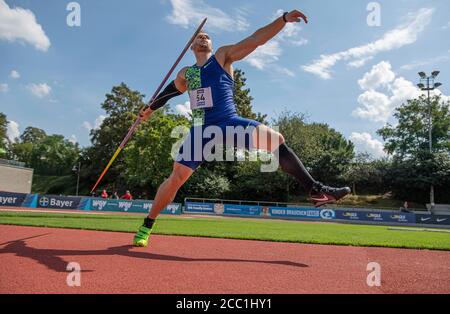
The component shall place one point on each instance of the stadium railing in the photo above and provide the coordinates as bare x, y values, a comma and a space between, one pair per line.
12, 163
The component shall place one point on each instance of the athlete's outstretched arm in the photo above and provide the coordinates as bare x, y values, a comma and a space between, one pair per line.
245, 47
175, 88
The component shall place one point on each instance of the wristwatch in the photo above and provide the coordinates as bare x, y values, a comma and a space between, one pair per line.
284, 16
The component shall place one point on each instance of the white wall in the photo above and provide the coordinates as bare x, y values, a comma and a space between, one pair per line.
15, 179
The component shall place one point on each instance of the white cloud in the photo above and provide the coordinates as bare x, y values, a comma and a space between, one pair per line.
402, 90
20, 24
445, 98
87, 125
73, 139
290, 33
415, 65
364, 143
446, 26
265, 55
97, 123
299, 42
381, 74
403, 35
40, 90
284, 71
359, 63
378, 106
191, 12
4, 88
12, 130
184, 109
320, 67
427, 62
14, 75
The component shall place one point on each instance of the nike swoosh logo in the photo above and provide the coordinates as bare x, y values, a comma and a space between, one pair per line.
424, 219
323, 199
441, 220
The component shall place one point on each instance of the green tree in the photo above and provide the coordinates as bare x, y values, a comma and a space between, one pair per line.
414, 168
411, 179
46, 154
22, 152
122, 106
410, 136
366, 173
3, 135
323, 150
54, 155
243, 100
205, 184
325, 153
32, 135
23, 149
249, 183
147, 159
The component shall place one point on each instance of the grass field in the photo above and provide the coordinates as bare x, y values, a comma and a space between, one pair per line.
235, 228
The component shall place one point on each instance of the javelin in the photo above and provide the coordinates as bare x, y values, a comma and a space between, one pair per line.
138, 120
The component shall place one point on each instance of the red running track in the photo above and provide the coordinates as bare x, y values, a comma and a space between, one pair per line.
34, 260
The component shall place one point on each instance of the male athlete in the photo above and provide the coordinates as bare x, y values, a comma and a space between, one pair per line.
210, 85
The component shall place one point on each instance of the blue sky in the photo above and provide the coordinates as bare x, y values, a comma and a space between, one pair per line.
337, 69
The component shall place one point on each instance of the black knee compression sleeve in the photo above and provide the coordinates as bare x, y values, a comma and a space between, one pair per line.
169, 92
292, 165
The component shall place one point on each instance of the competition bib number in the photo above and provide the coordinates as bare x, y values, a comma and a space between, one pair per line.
201, 98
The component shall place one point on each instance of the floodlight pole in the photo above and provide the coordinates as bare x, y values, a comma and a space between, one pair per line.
78, 178
430, 139
430, 85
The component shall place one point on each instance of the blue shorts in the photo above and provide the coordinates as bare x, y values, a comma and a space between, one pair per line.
201, 142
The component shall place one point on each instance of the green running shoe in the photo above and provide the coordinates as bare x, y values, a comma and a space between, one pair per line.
141, 237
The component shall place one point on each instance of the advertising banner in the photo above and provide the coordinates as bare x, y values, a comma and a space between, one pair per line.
85, 203
245, 210
375, 216
58, 202
429, 219
172, 209
30, 201
400, 217
108, 205
194, 207
10, 199
301, 213
136, 206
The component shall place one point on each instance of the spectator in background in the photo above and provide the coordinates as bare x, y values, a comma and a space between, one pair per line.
104, 194
127, 196
116, 196
405, 207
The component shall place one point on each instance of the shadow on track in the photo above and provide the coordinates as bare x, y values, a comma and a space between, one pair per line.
52, 258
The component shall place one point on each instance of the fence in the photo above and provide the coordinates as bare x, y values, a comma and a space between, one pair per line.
225, 208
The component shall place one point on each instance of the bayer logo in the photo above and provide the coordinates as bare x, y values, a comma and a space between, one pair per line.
43, 201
